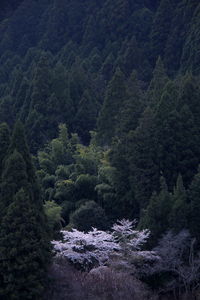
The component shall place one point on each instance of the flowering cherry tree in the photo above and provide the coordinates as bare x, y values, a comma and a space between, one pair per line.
95, 248
86, 249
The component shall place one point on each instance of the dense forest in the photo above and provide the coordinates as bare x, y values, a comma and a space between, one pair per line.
99, 125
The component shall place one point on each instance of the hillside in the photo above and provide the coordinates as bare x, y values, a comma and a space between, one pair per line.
108, 93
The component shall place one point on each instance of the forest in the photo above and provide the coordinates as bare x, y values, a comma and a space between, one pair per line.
100, 150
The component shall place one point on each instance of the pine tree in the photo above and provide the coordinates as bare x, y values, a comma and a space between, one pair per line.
189, 146
142, 159
14, 177
41, 92
178, 218
114, 100
157, 83
23, 251
161, 27
19, 143
133, 106
24, 245
156, 216
85, 119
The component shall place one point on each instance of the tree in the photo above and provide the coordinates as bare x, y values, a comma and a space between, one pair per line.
142, 159
161, 28
19, 143
87, 216
24, 238
157, 83
23, 248
114, 100
85, 119
14, 178
156, 216
178, 218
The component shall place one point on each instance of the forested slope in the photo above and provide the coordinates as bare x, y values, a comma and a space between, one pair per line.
109, 95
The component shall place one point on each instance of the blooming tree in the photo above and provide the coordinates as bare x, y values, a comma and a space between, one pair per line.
97, 248
131, 242
86, 249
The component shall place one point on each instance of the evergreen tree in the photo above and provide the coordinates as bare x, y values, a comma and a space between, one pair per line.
114, 100
161, 27
23, 249
142, 159
189, 146
24, 245
19, 143
157, 83
41, 92
14, 177
156, 216
178, 218
133, 106
86, 116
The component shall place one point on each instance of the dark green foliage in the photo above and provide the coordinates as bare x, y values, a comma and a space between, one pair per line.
180, 208
23, 251
114, 100
157, 83
88, 64
87, 216
24, 244
156, 216
142, 159
14, 177
161, 27
18, 143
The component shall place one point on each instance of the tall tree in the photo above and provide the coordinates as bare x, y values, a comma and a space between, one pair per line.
142, 159
24, 245
156, 216
114, 100
178, 218
161, 27
23, 248
157, 83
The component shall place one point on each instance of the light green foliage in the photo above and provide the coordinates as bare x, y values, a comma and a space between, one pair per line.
53, 213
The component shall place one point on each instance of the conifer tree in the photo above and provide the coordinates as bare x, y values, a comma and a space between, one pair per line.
133, 106
189, 146
114, 100
157, 83
161, 27
156, 216
178, 218
14, 177
22, 251
142, 159
24, 245
19, 143
85, 118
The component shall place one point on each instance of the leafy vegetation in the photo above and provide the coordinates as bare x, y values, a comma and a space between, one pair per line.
106, 95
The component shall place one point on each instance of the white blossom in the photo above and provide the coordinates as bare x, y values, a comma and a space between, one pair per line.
96, 247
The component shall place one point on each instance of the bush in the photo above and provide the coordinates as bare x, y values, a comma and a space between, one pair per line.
89, 215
